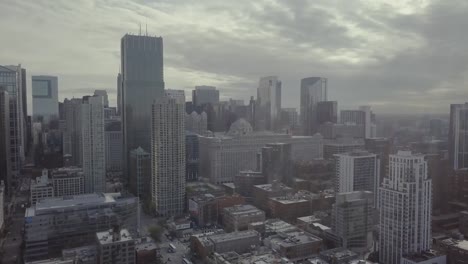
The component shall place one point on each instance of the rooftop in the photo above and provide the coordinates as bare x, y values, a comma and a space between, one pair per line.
272, 187
108, 237
244, 209
339, 254
309, 219
356, 153
296, 238
423, 256
233, 236
461, 244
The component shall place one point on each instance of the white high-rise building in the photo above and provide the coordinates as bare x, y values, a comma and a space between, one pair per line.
357, 171
405, 208
45, 98
168, 154
269, 101
94, 151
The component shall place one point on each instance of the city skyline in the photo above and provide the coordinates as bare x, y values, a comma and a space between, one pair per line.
363, 68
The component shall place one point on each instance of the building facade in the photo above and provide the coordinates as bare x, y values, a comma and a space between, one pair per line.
192, 156
405, 208
67, 181
93, 139
13, 80
140, 173
168, 154
114, 145
313, 91
204, 94
142, 82
277, 162
327, 111
72, 137
458, 151
352, 219
115, 246
59, 223
5, 162
196, 123
45, 98
269, 101
237, 218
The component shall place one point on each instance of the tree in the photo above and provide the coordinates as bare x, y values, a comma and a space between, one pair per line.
155, 232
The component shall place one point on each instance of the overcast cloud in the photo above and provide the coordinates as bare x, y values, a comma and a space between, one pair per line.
400, 56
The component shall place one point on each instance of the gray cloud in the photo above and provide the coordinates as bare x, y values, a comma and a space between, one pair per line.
399, 56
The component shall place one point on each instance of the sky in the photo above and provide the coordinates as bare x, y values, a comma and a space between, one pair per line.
399, 56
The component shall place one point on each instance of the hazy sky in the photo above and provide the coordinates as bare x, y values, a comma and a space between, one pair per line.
398, 56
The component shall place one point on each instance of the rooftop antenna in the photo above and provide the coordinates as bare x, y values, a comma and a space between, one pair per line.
146, 29
140, 29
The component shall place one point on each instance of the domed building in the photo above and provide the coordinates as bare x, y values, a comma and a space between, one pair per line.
239, 128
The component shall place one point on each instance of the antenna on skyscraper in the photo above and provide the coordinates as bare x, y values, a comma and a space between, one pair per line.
140, 29
146, 29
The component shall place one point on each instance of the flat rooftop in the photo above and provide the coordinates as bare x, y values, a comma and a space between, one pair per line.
269, 187
309, 219
233, 236
297, 238
244, 209
107, 237
71, 201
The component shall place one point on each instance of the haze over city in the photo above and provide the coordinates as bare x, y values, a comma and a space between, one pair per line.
398, 56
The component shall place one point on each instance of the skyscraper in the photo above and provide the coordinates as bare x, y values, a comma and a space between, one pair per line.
277, 162
103, 93
327, 111
362, 116
168, 154
205, 95
5, 161
352, 219
458, 150
13, 81
45, 98
114, 147
72, 137
140, 169
269, 101
142, 82
405, 208
313, 90
94, 152
356, 171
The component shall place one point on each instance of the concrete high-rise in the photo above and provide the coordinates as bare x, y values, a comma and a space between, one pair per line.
269, 101
327, 111
140, 170
142, 82
45, 98
93, 139
277, 162
405, 208
352, 220
313, 91
205, 95
5, 161
114, 145
356, 171
72, 137
363, 116
168, 154
458, 150
104, 95
13, 80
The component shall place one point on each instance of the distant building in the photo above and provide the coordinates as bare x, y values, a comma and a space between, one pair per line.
115, 246
223, 155
93, 140
327, 111
407, 187
45, 98
269, 101
295, 246
290, 117
246, 180
238, 217
205, 95
146, 251
5, 162
67, 181
204, 209
456, 250
330, 148
105, 98
114, 147
277, 162
313, 91
13, 80
196, 123
41, 188
192, 157
168, 155
140, 171
72, 136
352, 215
364, 116
58, 223
458, 152
338, 256
262, 193
335, 131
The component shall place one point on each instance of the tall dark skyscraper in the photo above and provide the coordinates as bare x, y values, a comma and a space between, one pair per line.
5, 166
313, 90
142, 82
327, 111
458, 136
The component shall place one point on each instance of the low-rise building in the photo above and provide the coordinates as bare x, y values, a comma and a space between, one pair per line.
41, 188
238, 217
263, 192
246, 180
81, 255
428, 257
295, 246
455, 250
338, 255
146, 251
203, 209
115, 246
68, 181
239, 242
